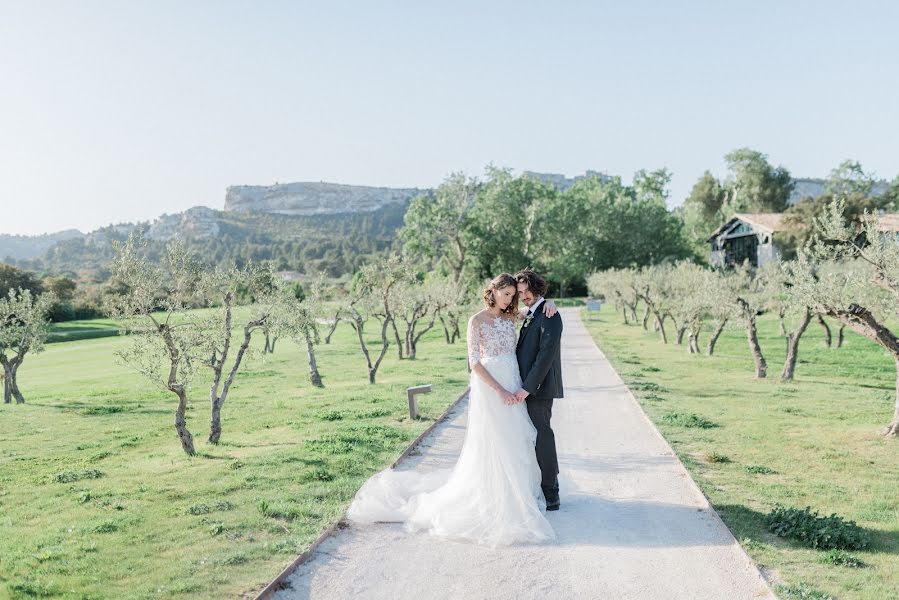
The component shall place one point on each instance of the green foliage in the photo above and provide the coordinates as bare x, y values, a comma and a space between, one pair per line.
106, 527
841, 558
759, 470
331, 415
816, 531
689, 420
754, 185
335, 245
716, 458
203, 508
71, 476
802, 591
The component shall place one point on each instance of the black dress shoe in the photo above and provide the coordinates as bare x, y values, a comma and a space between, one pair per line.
553, 505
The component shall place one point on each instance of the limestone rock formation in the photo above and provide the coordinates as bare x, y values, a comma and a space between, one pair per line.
314, 198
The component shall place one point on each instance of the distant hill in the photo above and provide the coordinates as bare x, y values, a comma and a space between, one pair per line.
303, 227
333, 244
26, 246
314, 198
807, 187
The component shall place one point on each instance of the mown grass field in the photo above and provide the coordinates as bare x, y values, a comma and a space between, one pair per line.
811, 442
97, 499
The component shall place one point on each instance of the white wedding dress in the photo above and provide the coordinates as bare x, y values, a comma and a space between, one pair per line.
492, 495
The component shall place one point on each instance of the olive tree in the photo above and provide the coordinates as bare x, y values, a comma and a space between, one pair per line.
373, 295
298, 318
862, 297
167, 342
24, 326
220, 287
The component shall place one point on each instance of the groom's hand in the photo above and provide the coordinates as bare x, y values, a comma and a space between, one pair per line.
521, 394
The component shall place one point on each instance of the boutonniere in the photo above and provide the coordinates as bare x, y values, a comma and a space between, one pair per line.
528, 319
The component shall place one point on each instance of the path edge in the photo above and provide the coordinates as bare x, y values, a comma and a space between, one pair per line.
689, 477
278, 582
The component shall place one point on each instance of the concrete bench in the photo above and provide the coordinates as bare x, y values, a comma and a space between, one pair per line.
411, 393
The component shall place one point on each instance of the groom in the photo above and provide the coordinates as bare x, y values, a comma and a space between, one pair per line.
540, 365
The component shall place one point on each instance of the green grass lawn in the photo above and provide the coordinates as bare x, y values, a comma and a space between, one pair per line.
97, 499
811, 442
69, 331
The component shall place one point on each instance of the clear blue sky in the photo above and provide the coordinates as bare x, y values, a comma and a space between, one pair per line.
118, 111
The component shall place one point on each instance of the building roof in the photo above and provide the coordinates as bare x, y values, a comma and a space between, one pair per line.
888, 222
769, 222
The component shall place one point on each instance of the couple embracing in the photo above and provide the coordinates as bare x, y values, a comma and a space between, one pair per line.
506, 476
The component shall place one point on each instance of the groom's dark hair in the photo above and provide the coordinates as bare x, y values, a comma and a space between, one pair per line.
535, 283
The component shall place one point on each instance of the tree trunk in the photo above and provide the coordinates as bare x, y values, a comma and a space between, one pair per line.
761, 367
456, 333
633, 308
415, 337
314, 375
828, 339
446, 330
840, 335
892, 429
271, 348
693, 344
780, 317
187, 440
218, 399
268, 344
793, 347
710, 347
661, 325
372, 366
624, 313
646, 313
7, 388
399, 342
679, 340
12, 380
331, 330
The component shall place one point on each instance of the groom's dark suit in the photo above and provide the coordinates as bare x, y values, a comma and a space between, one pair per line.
540, 365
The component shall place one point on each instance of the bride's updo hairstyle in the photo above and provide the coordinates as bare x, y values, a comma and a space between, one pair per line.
499, 282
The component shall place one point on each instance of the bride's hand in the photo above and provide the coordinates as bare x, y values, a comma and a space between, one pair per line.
508, 397
549, 308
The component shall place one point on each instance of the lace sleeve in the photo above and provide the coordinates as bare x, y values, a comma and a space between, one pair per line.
473, 337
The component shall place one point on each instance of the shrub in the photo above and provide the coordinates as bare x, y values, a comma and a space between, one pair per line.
319, 474
816, 531
205, 509
106, 527
331, 415
714, 457
759, 470
842, 558
70, 476
802, 591
688, 420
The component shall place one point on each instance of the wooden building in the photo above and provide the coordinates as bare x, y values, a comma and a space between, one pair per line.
746, 236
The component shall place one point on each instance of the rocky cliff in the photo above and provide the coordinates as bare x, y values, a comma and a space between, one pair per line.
197, 222
314, 198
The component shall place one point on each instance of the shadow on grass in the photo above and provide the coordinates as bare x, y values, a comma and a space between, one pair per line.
97, 409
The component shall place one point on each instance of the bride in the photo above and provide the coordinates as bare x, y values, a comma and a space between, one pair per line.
492, 495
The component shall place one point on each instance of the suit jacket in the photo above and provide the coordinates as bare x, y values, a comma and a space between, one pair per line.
539, 353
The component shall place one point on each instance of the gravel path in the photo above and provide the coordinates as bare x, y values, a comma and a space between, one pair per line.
633, 524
